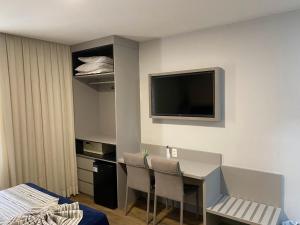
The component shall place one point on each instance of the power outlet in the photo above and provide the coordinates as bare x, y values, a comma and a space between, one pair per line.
174, 153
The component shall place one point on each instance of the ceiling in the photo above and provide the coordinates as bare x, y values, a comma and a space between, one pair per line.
75, 21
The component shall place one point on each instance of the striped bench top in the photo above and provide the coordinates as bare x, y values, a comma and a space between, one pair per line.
245, 211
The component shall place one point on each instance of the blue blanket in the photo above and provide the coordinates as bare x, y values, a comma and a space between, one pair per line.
90, 216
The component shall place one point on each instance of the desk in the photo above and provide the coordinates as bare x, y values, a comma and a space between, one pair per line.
189, 168
207, 176
198, 167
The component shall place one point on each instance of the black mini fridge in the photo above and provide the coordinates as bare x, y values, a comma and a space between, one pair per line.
105, 184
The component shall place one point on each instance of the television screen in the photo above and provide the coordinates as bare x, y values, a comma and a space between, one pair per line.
183, 95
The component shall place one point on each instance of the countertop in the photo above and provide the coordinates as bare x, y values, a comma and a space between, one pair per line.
191, 169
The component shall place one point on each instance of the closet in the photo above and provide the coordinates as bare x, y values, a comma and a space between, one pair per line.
106, 107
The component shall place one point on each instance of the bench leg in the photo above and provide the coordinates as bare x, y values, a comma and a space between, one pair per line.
148, 206
181, 212
154, 212
126, 201
197, 204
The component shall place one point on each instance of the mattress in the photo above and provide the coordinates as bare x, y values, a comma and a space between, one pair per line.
90, 216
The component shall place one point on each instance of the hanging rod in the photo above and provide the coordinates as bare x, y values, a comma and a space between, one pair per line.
103, 82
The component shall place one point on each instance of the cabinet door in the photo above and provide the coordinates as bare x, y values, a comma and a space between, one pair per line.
85, 175
84, 163
105, 185
86, 188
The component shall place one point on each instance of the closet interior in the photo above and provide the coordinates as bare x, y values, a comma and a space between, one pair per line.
107, 116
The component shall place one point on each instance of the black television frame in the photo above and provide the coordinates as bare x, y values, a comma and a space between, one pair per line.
217, 95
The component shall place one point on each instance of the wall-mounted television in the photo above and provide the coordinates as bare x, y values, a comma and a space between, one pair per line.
189, 95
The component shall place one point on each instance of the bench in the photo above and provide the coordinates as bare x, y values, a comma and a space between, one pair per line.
246, 211
248, 197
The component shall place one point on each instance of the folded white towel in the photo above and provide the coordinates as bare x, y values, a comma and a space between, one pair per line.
101, 70
89, 67
95, 59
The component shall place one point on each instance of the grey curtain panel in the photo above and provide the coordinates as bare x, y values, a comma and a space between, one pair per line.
36, 115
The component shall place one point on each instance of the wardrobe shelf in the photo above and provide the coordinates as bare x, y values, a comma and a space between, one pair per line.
96, 74
102, 82
100, 78
98, 138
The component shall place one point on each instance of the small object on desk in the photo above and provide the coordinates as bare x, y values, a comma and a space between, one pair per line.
174, 153
168, 152
146, 152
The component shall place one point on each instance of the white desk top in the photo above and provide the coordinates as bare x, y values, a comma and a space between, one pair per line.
191, 169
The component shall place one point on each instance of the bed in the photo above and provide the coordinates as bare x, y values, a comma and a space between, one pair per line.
90, 216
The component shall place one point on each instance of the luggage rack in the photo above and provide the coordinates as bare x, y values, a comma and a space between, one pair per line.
245, 211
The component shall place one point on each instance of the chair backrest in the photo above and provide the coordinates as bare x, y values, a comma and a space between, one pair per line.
168, 178
138, 174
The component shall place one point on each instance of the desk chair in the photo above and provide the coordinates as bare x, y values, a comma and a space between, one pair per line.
169, 184
138, 176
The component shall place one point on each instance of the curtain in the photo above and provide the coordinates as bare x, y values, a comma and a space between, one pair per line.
37, 140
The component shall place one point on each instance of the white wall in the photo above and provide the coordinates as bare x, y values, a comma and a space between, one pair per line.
261, 59
107, 120
86, 110
94, 111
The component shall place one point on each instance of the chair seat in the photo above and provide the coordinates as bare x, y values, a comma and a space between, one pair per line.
190, 188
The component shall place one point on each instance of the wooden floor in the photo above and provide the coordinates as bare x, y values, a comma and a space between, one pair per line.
137, 213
